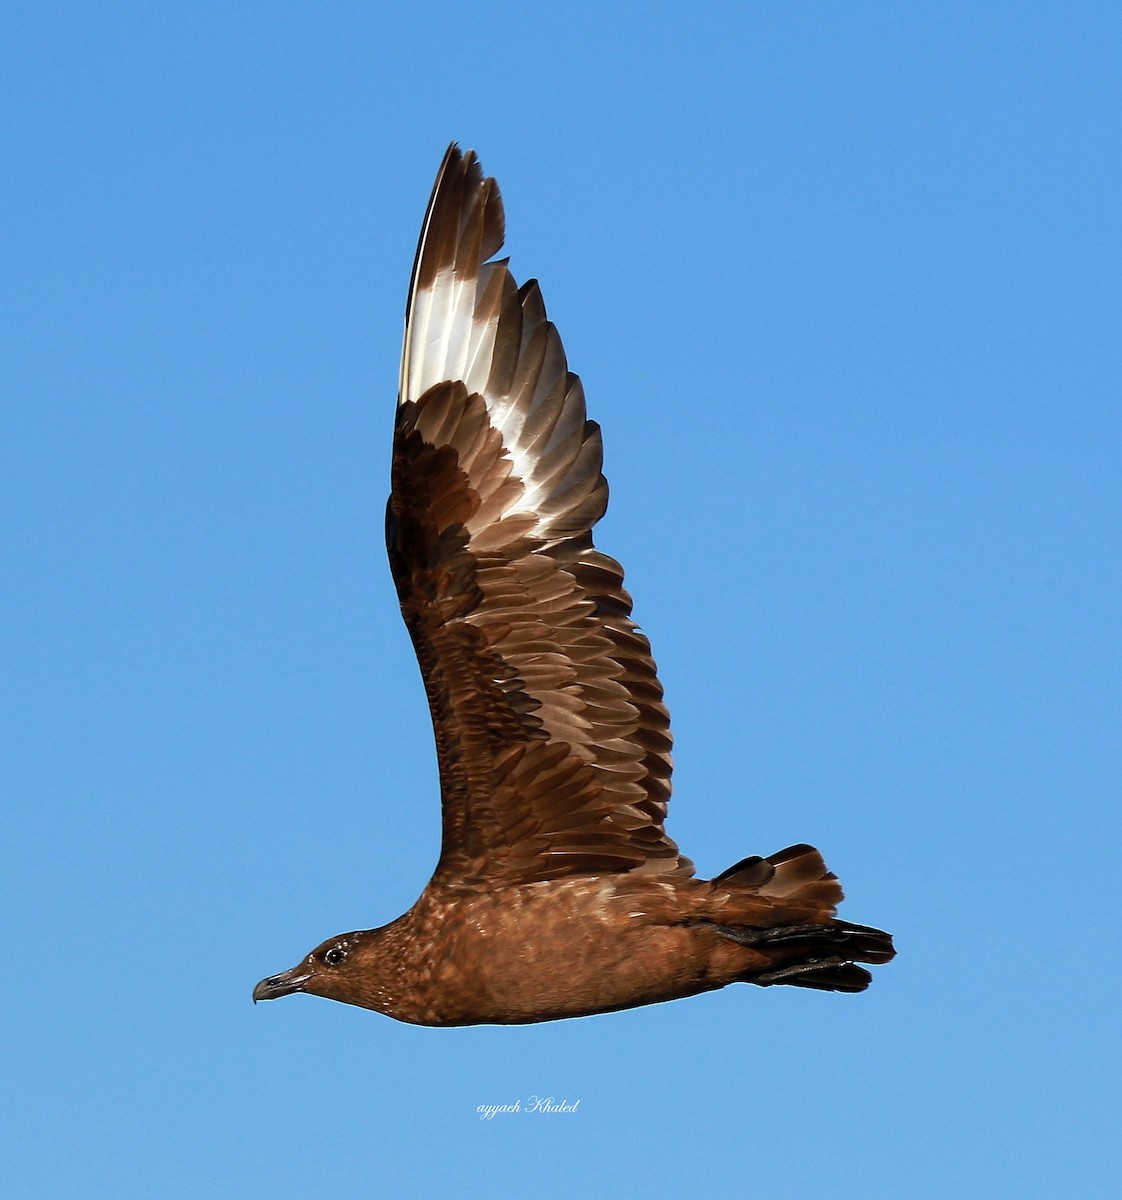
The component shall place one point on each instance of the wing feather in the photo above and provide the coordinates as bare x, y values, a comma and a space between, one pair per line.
552, 736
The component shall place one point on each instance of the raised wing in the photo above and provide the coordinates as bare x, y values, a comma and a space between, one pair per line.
551, 733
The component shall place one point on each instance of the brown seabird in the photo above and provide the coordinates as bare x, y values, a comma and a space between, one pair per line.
558, 892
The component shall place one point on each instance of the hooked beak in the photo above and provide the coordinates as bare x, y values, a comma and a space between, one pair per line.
283, 984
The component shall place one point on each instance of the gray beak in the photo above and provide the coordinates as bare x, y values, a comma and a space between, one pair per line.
283, 984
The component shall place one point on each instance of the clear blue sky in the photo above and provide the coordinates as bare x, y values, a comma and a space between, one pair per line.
842, 282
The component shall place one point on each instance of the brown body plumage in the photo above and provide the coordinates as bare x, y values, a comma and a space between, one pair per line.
557, 893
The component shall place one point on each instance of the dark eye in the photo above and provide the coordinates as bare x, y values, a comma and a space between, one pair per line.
335, 956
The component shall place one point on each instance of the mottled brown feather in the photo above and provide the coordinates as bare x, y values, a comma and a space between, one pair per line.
552, 738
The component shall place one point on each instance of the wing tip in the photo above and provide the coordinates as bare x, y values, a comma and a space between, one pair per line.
459, 188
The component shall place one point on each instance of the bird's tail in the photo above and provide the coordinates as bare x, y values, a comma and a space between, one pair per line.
797, 936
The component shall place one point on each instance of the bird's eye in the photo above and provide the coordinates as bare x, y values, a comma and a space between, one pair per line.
335, 956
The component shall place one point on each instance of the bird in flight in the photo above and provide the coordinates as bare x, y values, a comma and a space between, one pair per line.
558, 892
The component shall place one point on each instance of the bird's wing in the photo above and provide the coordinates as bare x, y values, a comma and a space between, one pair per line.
551, 733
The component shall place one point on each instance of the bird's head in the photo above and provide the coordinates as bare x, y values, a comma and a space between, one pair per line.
337, 969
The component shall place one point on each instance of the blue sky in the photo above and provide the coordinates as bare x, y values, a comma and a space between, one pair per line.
842, 285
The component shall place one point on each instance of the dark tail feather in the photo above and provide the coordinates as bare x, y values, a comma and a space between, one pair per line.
819, 954
797, 872
752, 871
780, 873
